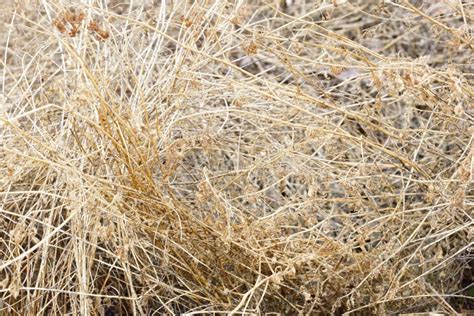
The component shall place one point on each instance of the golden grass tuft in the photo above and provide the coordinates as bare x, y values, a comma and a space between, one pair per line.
236, 157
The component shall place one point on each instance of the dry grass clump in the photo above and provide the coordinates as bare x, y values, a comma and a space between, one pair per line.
236, 157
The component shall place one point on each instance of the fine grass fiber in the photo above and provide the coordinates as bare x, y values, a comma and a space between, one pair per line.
236, 157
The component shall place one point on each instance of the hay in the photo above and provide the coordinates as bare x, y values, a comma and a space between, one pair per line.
239, 157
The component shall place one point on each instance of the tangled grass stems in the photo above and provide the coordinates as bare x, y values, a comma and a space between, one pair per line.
249, 157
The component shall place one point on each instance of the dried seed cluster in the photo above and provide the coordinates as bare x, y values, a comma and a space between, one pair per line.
70, 24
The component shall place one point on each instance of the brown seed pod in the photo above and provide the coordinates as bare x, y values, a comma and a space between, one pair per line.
74, 31
93, 26
103, 34
79, 18
69, 17
59, 24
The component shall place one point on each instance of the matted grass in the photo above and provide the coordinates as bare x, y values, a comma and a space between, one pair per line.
236, 157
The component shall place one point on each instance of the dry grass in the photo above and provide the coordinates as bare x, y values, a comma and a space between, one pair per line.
236, 157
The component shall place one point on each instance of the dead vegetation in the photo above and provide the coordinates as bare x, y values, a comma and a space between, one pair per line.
238, 157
